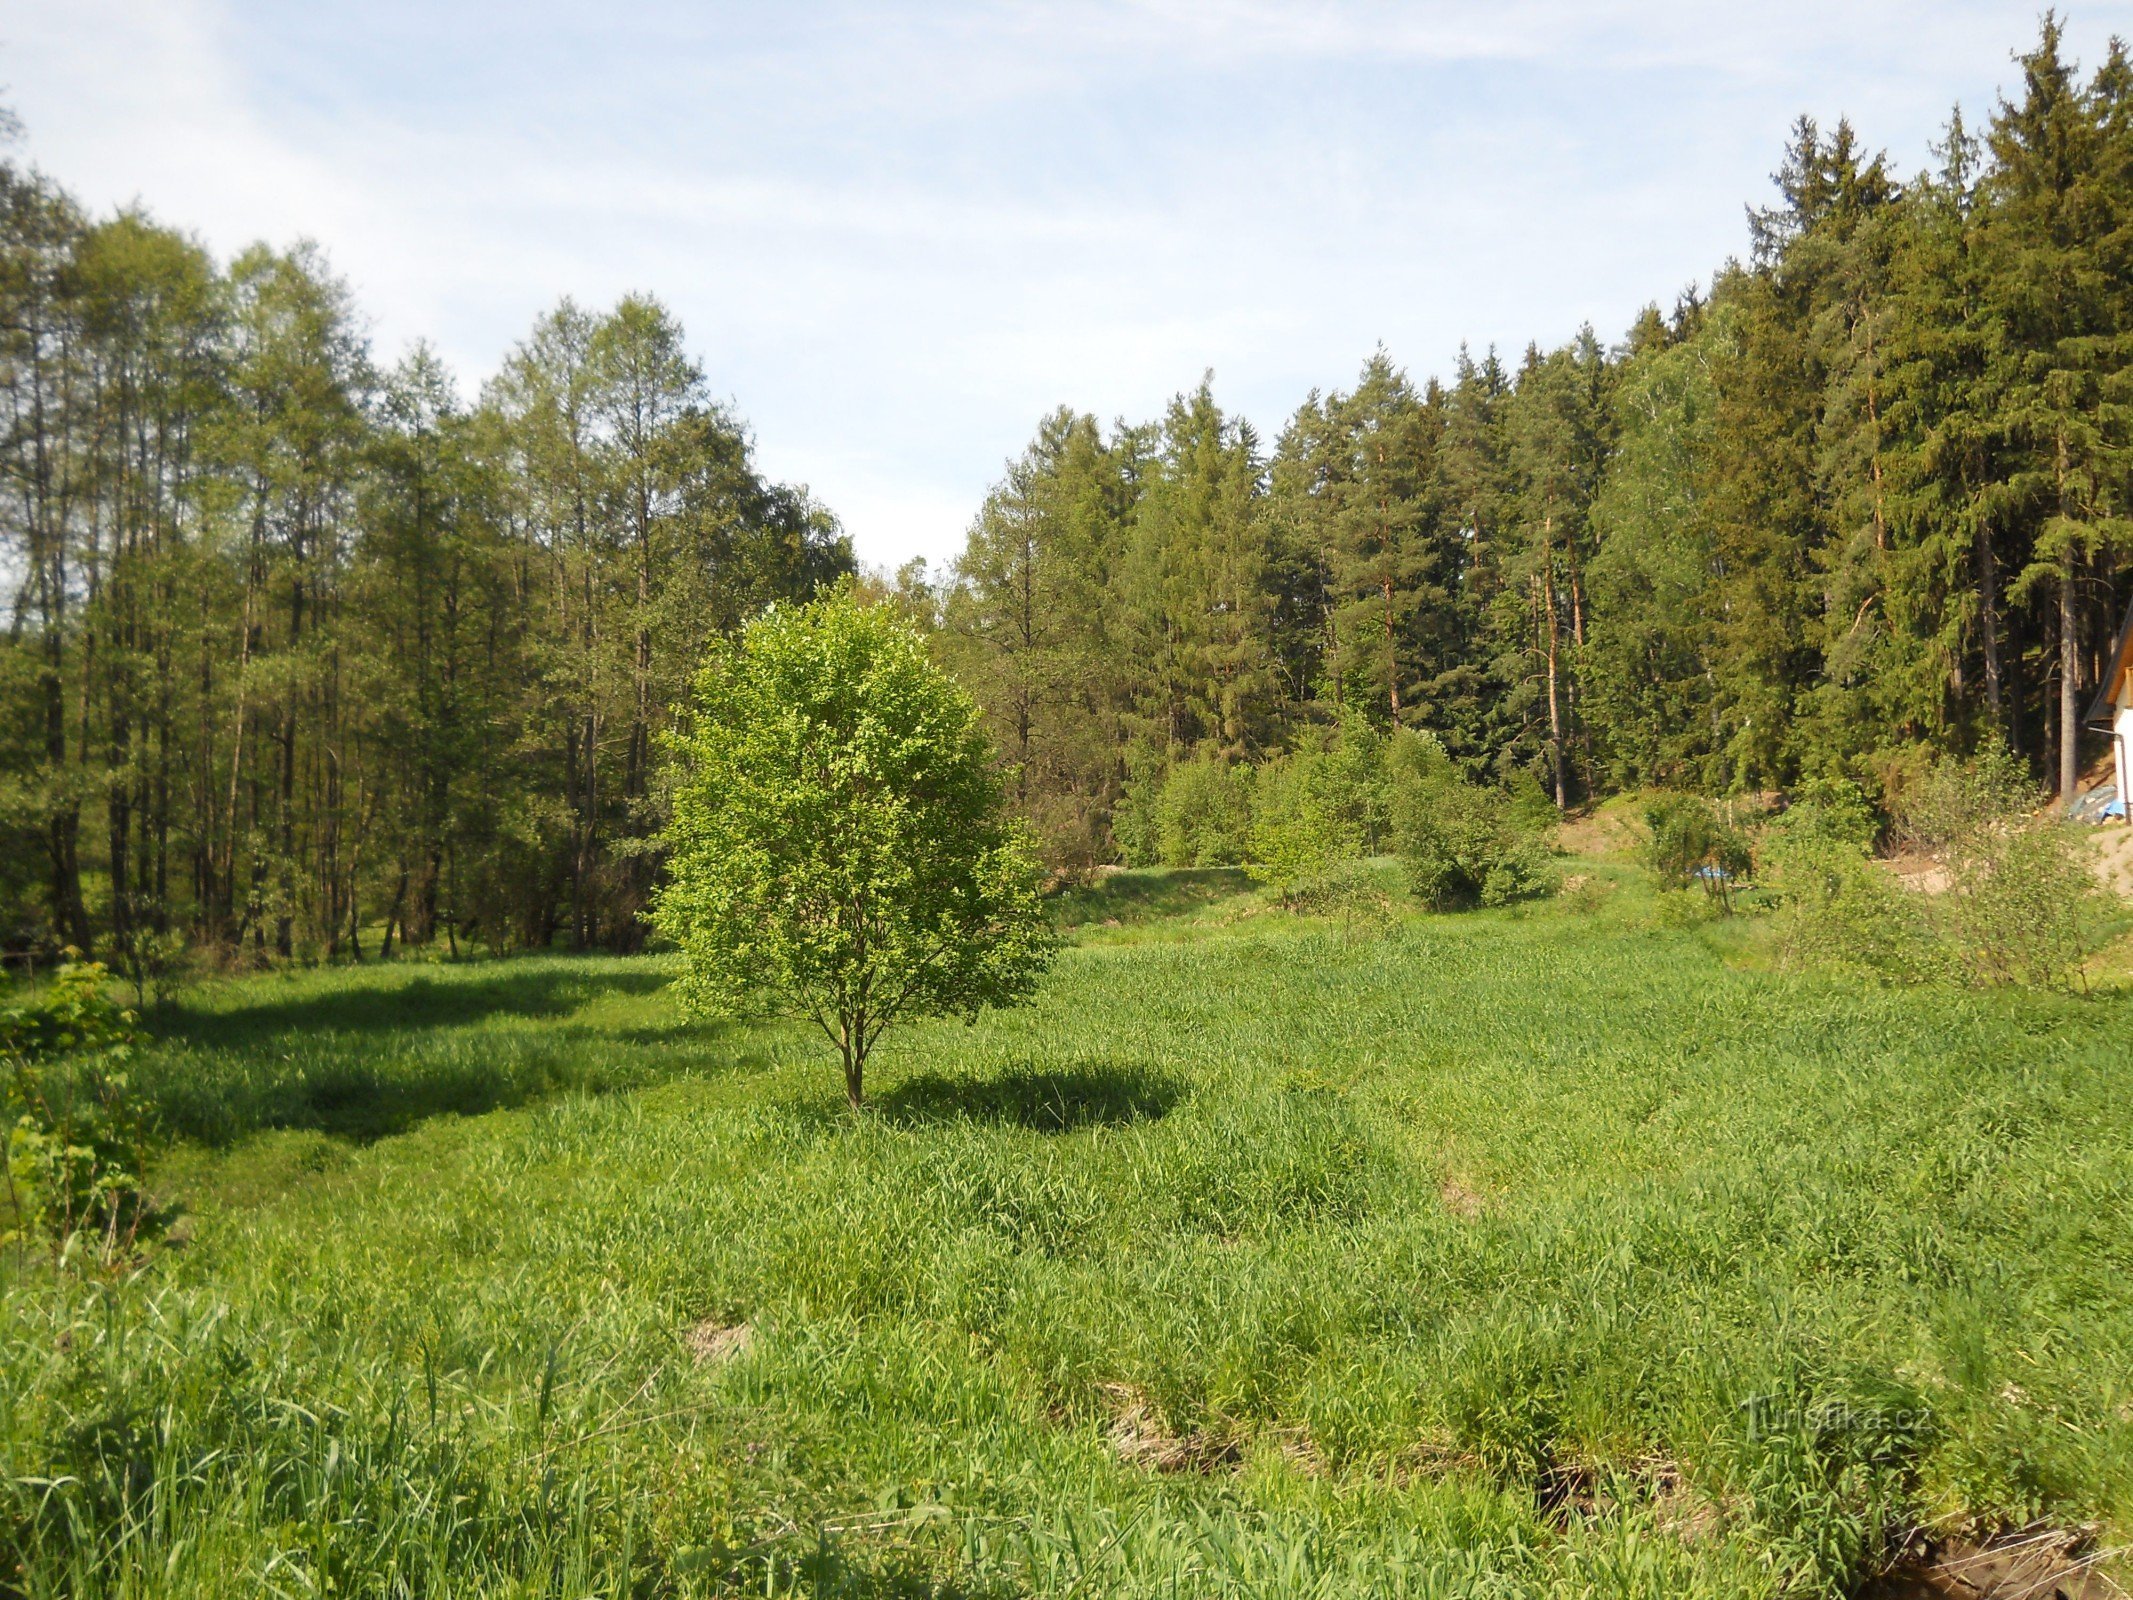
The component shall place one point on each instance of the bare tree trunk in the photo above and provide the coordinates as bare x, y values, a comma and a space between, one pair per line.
851, 1042
1554, 642
2069, 657
2069, 665
1988, 593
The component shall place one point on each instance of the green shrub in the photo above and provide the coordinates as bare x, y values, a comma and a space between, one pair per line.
1351, 780
1316, 808
1462, 844
2020, 907
840, 851
1203, 817
1835, 904
151, 962
78, 1141
1956, 800
1136, 826
1691, 847
1293, 837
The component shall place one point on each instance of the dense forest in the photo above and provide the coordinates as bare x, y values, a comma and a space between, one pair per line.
1863, 503
298, 648
302, 652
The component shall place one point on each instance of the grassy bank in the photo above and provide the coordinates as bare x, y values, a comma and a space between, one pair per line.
1547, 1252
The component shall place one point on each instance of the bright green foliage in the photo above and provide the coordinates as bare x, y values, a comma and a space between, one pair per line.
1690, 845
1379, 1237
2020, 903
1294, 839
1649, 674
78, 1137
2023, 906
1203, 815
1837, 906
839, 850
308, 658
1319, 808
1464, 844
1954, 802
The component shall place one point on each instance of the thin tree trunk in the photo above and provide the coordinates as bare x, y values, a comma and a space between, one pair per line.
2069, 657
1554, 641
1988, 593
2069, 674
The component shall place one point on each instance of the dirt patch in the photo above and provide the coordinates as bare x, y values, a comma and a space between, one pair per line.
1432, 1455
1301, 1450
714, 1343
1611, 832
1139, 1437
1577, 1491
2032, 1564
1461, 1198
1920, 874
2112, 858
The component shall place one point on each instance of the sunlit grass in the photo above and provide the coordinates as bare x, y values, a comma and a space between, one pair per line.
1550, 1251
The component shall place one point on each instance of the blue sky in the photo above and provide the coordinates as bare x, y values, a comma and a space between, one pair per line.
898, 234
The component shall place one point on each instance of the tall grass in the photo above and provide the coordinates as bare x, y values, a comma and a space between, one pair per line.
1521, 1253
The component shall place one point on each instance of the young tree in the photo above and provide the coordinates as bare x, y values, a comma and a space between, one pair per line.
840, 850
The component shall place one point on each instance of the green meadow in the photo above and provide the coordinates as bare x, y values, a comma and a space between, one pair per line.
1566, 1250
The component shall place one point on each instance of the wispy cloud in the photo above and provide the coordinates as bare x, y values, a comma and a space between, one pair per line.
899, 233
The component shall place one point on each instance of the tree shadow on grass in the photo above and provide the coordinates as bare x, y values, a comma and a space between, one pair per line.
412, 1005
1042, 1099
370, 1059
1147, 896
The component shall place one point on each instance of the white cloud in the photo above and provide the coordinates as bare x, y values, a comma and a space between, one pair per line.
898, 234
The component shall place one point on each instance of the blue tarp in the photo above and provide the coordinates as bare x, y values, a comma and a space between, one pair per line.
2100, 804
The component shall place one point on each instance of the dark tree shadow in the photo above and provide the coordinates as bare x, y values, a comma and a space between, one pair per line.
365, 1061
1147, 896
410, 1005
1043, 1099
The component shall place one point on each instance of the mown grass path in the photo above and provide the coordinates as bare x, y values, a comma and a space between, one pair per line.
1500, 1254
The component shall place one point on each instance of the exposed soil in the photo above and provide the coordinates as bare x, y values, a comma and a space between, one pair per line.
714, 1343
2113, 857
2031, 1564
1920, 873
1605, 832
1139, 1437
1575, 1491
1461, 1199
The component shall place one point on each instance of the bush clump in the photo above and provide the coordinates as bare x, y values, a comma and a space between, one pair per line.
1203, 815
1835, 904
1463, 844
78, 1139
2019, 905
1691, 846
2022, 906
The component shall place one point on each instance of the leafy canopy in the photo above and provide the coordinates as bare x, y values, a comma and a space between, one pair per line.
840, 851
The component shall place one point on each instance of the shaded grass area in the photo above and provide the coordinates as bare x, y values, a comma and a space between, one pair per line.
1139, 896
366, 1052
1548, 1252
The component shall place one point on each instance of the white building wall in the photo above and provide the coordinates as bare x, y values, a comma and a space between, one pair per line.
2122, 746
